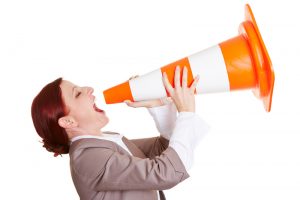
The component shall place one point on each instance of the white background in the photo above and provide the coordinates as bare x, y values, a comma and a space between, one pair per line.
249, 154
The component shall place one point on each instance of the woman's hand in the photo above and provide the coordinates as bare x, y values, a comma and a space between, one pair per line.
148, 103
182, 96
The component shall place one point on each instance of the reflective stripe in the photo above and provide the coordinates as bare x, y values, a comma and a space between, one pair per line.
210, 65
148, 86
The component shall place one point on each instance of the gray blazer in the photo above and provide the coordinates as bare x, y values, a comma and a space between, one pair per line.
102, 169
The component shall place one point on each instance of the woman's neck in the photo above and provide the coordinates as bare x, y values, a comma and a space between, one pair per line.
74, 132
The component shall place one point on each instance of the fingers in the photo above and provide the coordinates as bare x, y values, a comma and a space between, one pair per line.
166, 100
132, 77
184, 77
177, 82
194, 84
145, 103
167, 84
177, 78
134, 104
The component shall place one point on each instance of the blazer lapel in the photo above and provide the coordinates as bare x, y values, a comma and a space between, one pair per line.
133, 149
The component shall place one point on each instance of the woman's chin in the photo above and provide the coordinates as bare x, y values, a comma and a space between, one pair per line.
103, 121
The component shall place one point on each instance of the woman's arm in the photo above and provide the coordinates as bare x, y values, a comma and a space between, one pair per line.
189, 130
153, 146
164, 118
105, 169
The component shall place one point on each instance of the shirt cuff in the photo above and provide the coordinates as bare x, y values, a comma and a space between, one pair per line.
164, 109
164, 118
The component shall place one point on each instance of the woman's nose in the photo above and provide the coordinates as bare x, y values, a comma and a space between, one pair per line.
90, 90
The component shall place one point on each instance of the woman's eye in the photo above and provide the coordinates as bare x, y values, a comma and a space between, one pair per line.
77, 95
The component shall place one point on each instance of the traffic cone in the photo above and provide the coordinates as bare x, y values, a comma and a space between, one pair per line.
241, 62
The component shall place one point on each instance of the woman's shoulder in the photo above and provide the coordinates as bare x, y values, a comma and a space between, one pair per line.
90, 143
86, 153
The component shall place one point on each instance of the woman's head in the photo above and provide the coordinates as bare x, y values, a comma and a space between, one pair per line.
47, 108
63, 110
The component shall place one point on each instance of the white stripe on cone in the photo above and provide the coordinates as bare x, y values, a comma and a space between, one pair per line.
148, 86
210, 65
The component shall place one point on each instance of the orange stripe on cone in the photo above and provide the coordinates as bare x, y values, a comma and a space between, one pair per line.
238, 63
170, 69
118, 93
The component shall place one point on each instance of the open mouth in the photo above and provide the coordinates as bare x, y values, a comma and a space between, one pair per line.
97, 109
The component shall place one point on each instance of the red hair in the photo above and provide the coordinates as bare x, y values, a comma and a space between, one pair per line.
47, 107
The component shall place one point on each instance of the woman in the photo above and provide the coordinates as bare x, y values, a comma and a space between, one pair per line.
106, 165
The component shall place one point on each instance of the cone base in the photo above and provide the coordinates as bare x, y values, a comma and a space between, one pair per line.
263, 65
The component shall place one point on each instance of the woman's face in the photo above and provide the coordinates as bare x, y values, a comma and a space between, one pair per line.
80, 104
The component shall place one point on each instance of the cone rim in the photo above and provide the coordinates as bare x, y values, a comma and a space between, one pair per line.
262, 58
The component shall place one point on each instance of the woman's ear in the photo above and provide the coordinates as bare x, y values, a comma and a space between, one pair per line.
67, 122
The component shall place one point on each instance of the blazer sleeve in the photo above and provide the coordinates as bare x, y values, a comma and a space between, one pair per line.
105, 169
164, 118
152, 147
